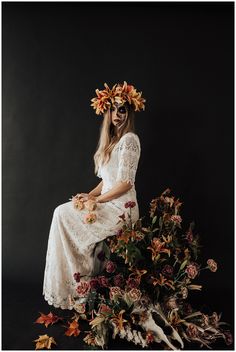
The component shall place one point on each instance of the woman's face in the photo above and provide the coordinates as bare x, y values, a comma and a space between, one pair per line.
119, 113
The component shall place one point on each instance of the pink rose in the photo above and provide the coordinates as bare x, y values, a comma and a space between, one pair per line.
83, 288
110, 267
77, 203
192, 270
94, 283
90, 218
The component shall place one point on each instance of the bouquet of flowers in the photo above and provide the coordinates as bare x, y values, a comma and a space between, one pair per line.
142, 293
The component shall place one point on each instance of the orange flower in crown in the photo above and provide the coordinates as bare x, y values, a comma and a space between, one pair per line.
119, 93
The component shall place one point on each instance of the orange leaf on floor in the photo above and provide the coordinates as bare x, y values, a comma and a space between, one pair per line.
73, 329
47, 319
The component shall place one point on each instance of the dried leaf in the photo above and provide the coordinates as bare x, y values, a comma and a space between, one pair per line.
73, 329
47, 319
44, 341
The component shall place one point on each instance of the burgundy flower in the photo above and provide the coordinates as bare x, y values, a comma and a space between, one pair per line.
192, 270
77, 277
101, 256
130, 204
118, 280
103, 281
94, 284
110, 267
119, 232
132, 283
228, 338
167, 270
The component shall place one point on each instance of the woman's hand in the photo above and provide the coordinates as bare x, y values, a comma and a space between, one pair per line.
83, 196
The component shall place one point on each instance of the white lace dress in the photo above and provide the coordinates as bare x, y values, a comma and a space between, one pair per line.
72, 242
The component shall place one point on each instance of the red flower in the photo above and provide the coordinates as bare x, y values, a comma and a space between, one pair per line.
103, 281
132, 283
118, 280
212, 265
167, 270
228, 338
192, 270
192, 331
94, 283
83, 288
130, 204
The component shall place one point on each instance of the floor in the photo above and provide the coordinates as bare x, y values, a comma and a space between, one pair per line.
21, 304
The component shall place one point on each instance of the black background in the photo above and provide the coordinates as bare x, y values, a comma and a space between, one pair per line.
54, 56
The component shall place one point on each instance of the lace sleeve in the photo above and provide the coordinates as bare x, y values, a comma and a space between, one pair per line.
128, 157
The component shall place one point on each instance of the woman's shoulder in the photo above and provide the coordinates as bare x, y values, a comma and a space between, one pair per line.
129, 136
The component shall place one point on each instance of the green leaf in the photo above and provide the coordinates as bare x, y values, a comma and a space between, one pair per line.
154, 219
183, 264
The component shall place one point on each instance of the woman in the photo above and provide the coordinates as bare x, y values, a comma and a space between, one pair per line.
72, 238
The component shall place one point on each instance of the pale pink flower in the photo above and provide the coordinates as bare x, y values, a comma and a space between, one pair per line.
192, 270
176, 219
90, 218
80, 307
212, 265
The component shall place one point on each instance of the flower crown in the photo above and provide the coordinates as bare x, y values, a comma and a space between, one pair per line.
118, 94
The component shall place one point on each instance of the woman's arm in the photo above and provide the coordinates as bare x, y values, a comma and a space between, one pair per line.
116, 191
97, 190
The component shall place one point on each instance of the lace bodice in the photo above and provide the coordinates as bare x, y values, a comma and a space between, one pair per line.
123, 162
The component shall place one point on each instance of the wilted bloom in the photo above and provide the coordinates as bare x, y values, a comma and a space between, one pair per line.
103, 281
135, 294
77, 277
101, 256
90, 205
94, 283
192, 331
214, 319
176, 219
184, 292
83, 288
130, 204
204, 320
90, 339
171, 303
110, 266
228, 338
90, 218
80, 307
189, 236
167, 270
192, 270
115, 292
132, 283
212, 265
119, 280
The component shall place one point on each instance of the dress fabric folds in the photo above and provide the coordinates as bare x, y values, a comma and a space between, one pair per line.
72, 242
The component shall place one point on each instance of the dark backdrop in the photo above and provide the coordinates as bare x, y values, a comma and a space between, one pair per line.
54, 56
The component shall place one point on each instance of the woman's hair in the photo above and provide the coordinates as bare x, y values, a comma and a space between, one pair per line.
109, 136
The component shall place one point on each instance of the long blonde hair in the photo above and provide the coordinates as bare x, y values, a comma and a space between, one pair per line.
109, 136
